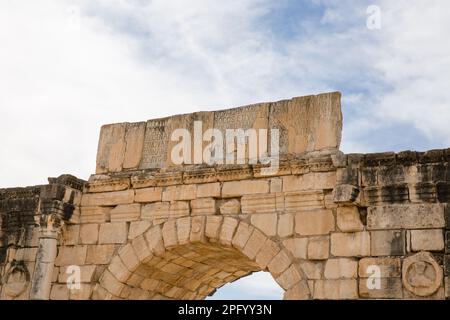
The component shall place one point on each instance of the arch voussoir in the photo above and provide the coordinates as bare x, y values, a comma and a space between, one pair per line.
191, 257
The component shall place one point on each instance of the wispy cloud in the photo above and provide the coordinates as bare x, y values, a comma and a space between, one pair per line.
68, 69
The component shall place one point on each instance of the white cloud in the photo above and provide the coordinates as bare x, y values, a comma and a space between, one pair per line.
415, 62
135, 60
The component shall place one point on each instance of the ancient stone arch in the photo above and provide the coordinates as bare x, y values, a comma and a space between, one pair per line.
326, 225
189, 258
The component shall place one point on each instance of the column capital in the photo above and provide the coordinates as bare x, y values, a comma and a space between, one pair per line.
50, 218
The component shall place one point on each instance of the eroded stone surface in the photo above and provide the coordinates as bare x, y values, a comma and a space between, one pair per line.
324, 225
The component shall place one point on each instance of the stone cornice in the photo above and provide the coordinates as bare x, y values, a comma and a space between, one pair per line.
311, 162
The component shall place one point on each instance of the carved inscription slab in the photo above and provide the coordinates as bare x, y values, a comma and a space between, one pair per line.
155, 144
305, 124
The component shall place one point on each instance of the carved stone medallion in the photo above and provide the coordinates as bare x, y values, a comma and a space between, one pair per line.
16, 281
421, 274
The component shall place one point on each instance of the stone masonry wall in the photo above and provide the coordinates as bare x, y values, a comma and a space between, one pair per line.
315, 227
326, 226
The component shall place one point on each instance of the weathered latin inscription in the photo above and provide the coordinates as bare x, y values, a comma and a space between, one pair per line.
155, 144
249, 117
305, 124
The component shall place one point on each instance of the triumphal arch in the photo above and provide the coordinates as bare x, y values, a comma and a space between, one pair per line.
177, 209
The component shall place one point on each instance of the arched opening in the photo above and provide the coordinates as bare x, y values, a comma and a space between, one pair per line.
192, 271
190, 259
257, 286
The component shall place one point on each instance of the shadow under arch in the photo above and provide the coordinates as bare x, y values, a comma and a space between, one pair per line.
191, 257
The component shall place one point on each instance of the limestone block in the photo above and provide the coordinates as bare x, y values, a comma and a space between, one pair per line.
149, 284
203, 206
118, 269
155, 240
134, 142
348, 219
213, 224
298, 182
137, 228
180, 192
100, 183
110, 283
405, 216
341, 268
305, 124
127, 212
388, 243
207, 190
427, 240
279, 263
230, 207
285, 225
267, 223
84, 293
258, 204
153, 194
248, 117
298, 247
243, 233
276, 185
169, 233
135, 280
309, 181
350, 244
184, 230
345, 194
155, 210
86, 274
100, 293
317, 222
343, 289
232, 189
73, 255
319, 248
313, 270
111, 233
99, 254
179, 209
268, 251
324, 180
198, 229
299, 291
141, 248
389, 267
228, 228
289, 277
329, 201
389, 288
111, 148
107, 198
303, 201
308, 123
71, 235
279, 202
59, 292
254, 244
89, 233
157, 141
129, 257
94, 214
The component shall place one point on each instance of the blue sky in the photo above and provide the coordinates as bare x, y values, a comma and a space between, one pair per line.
70, 66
